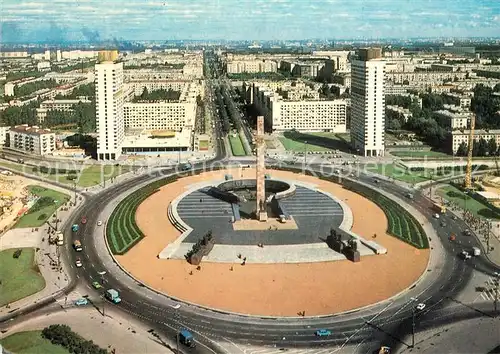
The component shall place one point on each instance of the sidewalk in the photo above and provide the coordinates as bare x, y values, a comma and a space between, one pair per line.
116, 330
55, 278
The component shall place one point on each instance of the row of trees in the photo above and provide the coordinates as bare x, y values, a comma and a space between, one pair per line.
158, 95
83, 115
63, 335
87, 90
226, 126
27, 89
79, 66
486, 107
19, 115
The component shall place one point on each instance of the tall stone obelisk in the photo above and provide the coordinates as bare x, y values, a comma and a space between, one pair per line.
261, 171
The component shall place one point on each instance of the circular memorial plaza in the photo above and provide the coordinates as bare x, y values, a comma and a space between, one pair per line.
279, 267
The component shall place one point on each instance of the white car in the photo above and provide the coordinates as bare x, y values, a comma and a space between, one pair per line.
99, 223
420, 306
466, 255
78, 263
436, 216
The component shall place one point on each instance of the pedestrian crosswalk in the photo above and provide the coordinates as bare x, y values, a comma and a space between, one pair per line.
238, 348
490, 289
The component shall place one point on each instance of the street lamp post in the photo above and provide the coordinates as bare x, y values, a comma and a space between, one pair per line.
414, 299
102, 273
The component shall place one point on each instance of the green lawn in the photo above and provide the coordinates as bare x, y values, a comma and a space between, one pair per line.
456, 196
20, 276
31, 342
236, 145
420, 154
203, 144
89, 176
295, 141
49, 201
400, 174
122, 232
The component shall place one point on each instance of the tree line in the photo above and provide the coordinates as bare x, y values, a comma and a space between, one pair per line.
83, 116
158, 95
27, 89
87, 90
19, 115
480, 147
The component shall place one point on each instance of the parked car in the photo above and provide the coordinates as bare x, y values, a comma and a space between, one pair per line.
99, 223
78, 263
420, 306
96, 285
436, 216
81, 302
323, 333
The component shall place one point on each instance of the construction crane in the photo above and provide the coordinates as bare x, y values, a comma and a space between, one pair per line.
468, 170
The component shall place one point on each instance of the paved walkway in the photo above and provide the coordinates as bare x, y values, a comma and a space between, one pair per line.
56, 278
116, 330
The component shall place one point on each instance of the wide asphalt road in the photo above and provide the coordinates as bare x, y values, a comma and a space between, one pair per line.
390, 324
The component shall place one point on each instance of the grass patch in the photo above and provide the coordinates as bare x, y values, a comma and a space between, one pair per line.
48, 202
84, 175
122, 232
295, 141
467, 202
20, 276
236, 145
203, 145
420, 154
401, 174
31, 342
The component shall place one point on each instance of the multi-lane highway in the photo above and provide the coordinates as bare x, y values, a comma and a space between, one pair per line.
392, 323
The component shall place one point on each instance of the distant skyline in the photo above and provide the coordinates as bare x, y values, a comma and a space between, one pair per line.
59, 21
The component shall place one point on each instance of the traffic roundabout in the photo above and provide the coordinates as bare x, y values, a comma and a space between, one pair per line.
194, 300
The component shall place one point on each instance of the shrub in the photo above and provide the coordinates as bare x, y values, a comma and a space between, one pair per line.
63, 335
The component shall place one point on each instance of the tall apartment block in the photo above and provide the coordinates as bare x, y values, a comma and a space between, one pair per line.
368, 102
109, 106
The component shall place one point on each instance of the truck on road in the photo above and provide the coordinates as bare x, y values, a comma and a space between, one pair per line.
476, 251
186, 338
113, 296
439, 208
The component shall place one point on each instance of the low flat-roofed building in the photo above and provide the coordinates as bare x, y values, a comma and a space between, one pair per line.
32, 140
145, 141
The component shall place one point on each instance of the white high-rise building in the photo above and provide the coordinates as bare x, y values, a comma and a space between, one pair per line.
109, 106
368, 103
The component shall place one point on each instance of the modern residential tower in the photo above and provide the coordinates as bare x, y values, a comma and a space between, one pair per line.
109, 106
368, 102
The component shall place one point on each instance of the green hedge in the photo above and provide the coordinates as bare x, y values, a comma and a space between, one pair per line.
63, 335
122, 231
401, 223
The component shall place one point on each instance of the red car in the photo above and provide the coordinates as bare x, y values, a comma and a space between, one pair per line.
84, 220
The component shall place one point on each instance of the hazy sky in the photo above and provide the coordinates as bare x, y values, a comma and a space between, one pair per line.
57, 20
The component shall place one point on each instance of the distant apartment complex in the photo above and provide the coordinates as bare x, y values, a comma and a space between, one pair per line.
368, 103
109, 106
295, 106
251, 66
462, 136
32, 140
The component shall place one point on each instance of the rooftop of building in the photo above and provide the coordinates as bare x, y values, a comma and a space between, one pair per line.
34, 130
